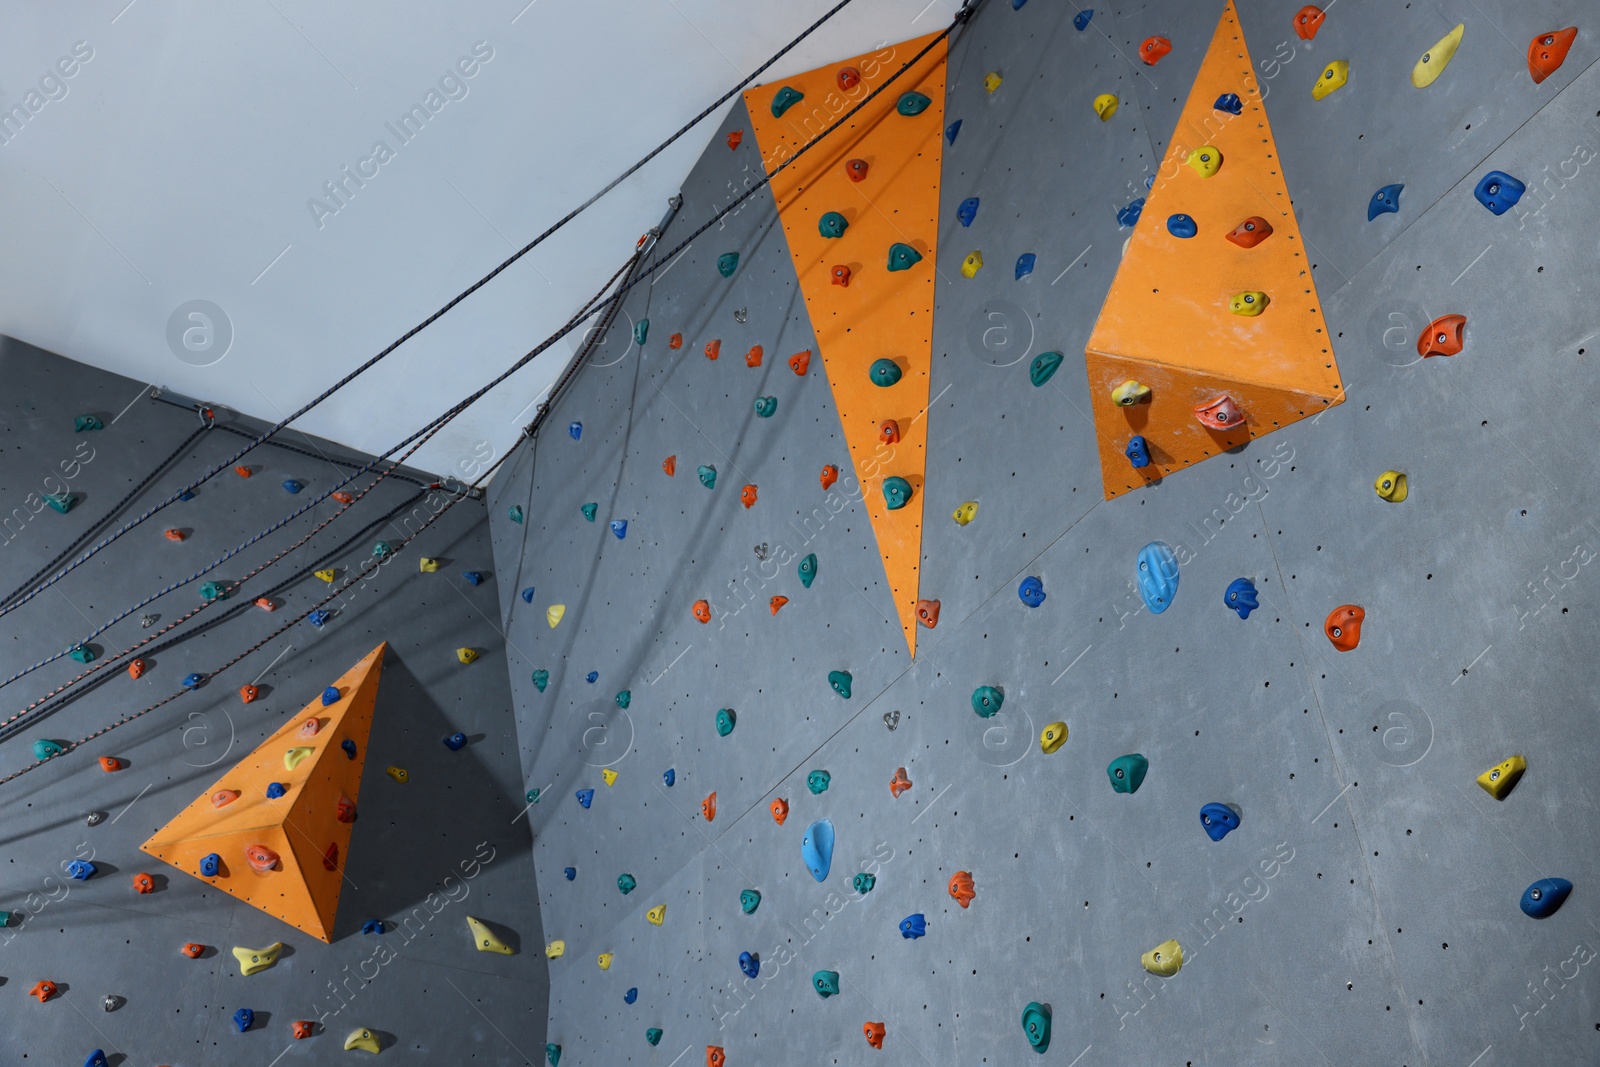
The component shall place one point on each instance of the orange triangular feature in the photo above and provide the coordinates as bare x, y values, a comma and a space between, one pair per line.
1168, 322
305, 828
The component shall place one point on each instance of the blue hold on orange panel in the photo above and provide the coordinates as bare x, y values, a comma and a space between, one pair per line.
1181, 226
1230, 103
1138, 451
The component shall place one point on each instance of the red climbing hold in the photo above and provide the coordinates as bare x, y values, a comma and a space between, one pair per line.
110, 763
928, 613
330, 857
192, 950
175, 535
961, 887
713, 348
847, 78
266, 604
302, 1028
800, 362
1308, 20
675, 341
841, 276
136, 668
830, 474
1343, 626
747, 496
1548, 51
899, 783
143, 883
856, 170
670, 466
777, 602
874, 1032
779, 809
1153, 49
1251, 232
43, 990
1443, 337
734, 138
752, 358
261, 858
247, 693
702, 611
242, 471
345, 809
889, 432
343, 497
223, 797
708, 806
1219, 414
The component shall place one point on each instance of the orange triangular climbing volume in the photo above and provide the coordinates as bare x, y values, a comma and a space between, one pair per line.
1166, 322
881, 314
301, 826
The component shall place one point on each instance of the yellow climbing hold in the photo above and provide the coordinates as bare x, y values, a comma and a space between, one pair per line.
1164, 959
965, 513
398, 774
484, 938
972, 264
1105, 105
1333, 76
656, 914
553, 614
1129, 393
361, 1038
252, 960
292, 758
605, 961
1052, 737
1435, 59
555, 949
327, 575
466, 655
1391, 486
609, 775
991, 81
428, 564
1498, 780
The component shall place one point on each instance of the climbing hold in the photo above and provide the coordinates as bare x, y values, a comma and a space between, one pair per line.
1343, 627
1031, 591
1230, 103
889, 432
896, 492
776, 602
876, 1031
899, 783
847, 78
1036, 1025
914, 926
749, 901
302, 1028
713, 349
590, 510
1105, 105
1181, 226
1129, 215
855, 170
626, 883
110, 764
383, 550
224, 797
986, 700
669, 776
1391, 486
784, 99
951, 130
455, 742
175, 535
87, 422
1127, 772
1386, 199
779, 809
884, 372
474, 578
327, 575
816, 847
747, 496
541, 678
361, 1038
514, 513
1164, 959
735, 139
708, 806
97, 1058
864, 882
800, 362
1025, 264
1080, 21
1544, 898
275, 790
585, 797
610, 777
750, 964
701, 611
1220, 414
330, 696
965, 513
1219, 820
82, 870
143, 883
641, 330
830, 474
912, 103
1435, 59
427, 565
1333, 77
1150, 54
1052, 737
292, 486
992, 80
619, 528
928, 613
1044, 367
1499, 780
714, 1056
903, 256
1129, 393
657, 915
1249, 233
624, 698
826, 983
262, 859
726, 719
808, 570
1205, 160
1307, 21
192, 950
1249, 303
817, 781
832, 224
44, 749
135, 669
244, 1019
466, 655
44, 990
374, 926
1158, 576
840, 680
1443, 337
397, 773
210, 864
345, 808
708, 476
967, 210
1548, 51
555, 949
727, 263
1240, 597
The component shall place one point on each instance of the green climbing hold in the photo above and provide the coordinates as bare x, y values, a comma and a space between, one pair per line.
817, 782
87, 422
840, 680
624, 698
214, 591
727, 263
832, 224
552, 1053
533, 796
626, 883
382, 550
1127, 772
653, 1035
864, 882
903, 256
913, 103
1045, 364
515, 513
766, 406
884, 372
83, 654
62, 502
986, 700
641, 330
589, 510
708, 477
46, 749
749, 900
826, 983
5, 919
726, 719
784, 99
808, 570
1036, 1025
896, 492
541, 678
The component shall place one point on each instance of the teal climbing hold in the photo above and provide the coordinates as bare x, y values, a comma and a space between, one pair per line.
708, 477
653, 1035
749, 900
766, 406
514, 513
1045, 364
726, 720
214, 591
808, 570
61, 502
864, 882
83, 654
382, 550
826, 983
727, 263
533, 796
903, 256
1036, 1025
1127, 772
589, 510
87, 422
884, 372
784, 99
832, 224
840, 680
552, 1053
641, 330
626, 883
44, 748
986, 700
624, 698
817, 782
541, 678
912, 103
896, 492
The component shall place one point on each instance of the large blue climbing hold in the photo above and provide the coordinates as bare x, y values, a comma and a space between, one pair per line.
1025, 264
1386, 200
631, 995
1230, 103
1080, 21
527, 595
210, 864
816, 848
1499, 191
620, 528
570, 872
1129, 215
1181, 226
951, 130
1138, 451
330, 696
275, 790
750, 964
474, 578
669, 776
292, 486
967, 210
82, 870
592, 677
913, 926
349, 748
192, 681
1219, 820
456, 741
1031, 591
1544, 898
586, 797
318, 617
1158, 576
244, 1018
97, 1058
1241, 597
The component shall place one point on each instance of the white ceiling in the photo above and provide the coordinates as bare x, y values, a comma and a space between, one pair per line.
178, 160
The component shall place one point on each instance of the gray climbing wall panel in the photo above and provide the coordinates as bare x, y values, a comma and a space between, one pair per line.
423, 855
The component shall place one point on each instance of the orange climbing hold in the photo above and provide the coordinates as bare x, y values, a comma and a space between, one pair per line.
670, 466
708, 806
899, 783
242, 471
175, 535
780, 810
777, 602
928, 613
247, 693
343, 497
1548, 51
875, 1033
223, 797
856, 170
1153, 49
714, 1056
192, 950
110, 763
265, 603
889, 432
713, 348
752, 358
1444, 336
800, 362
747, 496
303, 1028
143, 883
734, 139
961, 887
1308, 20
135, 669
43, 990
1343, 626
702, 611
841, 275
830, 474
675, 341
847, 78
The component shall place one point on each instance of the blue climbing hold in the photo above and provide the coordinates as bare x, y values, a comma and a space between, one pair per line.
1031, 591
620, 528
1181, 226
473, 577
570, 872
82, 870
575, 430
456, 742
750, 964
244, 1018
349, 748
592, 677
1544, 898
1158, 576
967, 210
816, 848
292, 486
527, 595
44, 749
631, 995
97, 1058
373, 926
913, 926
186, 495
1044, 367
1025, 264
541, 678
1129, 215
1080, 21
1016, 5
1386, 200
1499, 191
275, 790
210, 864
1241, 597
1219, 820
192, 681
1138, 451
951, 130
669, 776
318, 617
1230, 103
330, 696
585, 797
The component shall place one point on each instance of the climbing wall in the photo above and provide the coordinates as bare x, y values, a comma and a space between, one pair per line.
1366, 907
421, 856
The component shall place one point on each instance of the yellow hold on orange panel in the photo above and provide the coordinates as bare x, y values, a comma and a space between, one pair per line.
285, 855
871, 185
1184, 315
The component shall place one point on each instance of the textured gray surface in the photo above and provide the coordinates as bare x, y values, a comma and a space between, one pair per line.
438, 999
